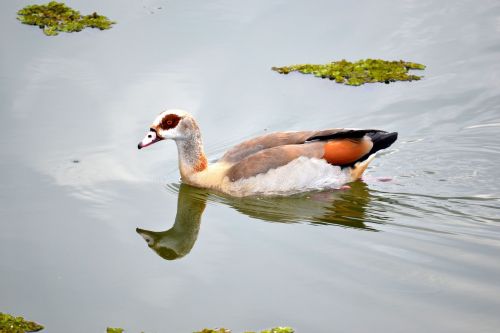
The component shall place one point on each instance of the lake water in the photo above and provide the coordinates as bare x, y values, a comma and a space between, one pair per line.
417, 252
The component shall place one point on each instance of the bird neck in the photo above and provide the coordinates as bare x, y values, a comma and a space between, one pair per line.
192, 158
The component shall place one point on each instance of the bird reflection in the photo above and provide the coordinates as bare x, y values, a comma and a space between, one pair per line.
347, 208
178, 241
339, 207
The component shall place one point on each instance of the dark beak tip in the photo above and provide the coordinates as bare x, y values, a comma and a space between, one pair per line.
139, 146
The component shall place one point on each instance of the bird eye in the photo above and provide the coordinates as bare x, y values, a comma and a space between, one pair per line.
150, 136
169, 122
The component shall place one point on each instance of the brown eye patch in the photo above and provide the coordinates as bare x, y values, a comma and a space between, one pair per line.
169, 121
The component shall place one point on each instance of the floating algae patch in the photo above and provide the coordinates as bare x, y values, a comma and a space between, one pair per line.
271, 330
11, 324
359, 72
56, 17
114, 330
279, 330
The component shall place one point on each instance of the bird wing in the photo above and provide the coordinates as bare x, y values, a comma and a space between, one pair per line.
342, 147
272, 158
252, 146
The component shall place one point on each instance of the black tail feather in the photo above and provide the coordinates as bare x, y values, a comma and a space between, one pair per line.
381, 140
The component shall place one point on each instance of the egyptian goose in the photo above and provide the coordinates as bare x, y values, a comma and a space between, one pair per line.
272, 164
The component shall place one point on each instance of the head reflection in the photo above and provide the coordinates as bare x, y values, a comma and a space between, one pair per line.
347, 208
178, 241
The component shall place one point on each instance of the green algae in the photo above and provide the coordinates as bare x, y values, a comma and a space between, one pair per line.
11, 324
359, 72
56, 17
271, 330
114, 330
277, 330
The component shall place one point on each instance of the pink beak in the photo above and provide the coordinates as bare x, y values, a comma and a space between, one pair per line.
149, 139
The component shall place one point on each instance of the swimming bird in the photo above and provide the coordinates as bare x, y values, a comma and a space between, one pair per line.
278, 163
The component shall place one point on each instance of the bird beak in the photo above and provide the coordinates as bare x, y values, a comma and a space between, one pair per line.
149, 139
147, 235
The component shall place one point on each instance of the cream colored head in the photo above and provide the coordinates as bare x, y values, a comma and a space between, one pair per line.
171, 124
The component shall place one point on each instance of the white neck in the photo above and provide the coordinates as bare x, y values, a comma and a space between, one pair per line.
192, 158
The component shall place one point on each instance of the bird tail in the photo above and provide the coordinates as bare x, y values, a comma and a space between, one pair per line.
381, 140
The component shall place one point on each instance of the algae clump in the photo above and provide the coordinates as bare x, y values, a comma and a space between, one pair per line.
56, 17
114, 330
11, 324
359, 72
277, 330
271, 330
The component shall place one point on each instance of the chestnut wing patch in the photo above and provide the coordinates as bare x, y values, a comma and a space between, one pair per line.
346, 151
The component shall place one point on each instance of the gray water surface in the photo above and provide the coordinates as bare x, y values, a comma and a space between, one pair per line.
417, 253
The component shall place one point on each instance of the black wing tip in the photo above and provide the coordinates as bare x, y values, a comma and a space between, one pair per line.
345, 134
392, 137
382, 140
375, 134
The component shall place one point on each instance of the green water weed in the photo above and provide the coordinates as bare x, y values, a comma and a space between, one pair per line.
359, 72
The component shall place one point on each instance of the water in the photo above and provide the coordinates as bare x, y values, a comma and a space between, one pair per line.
418, 253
